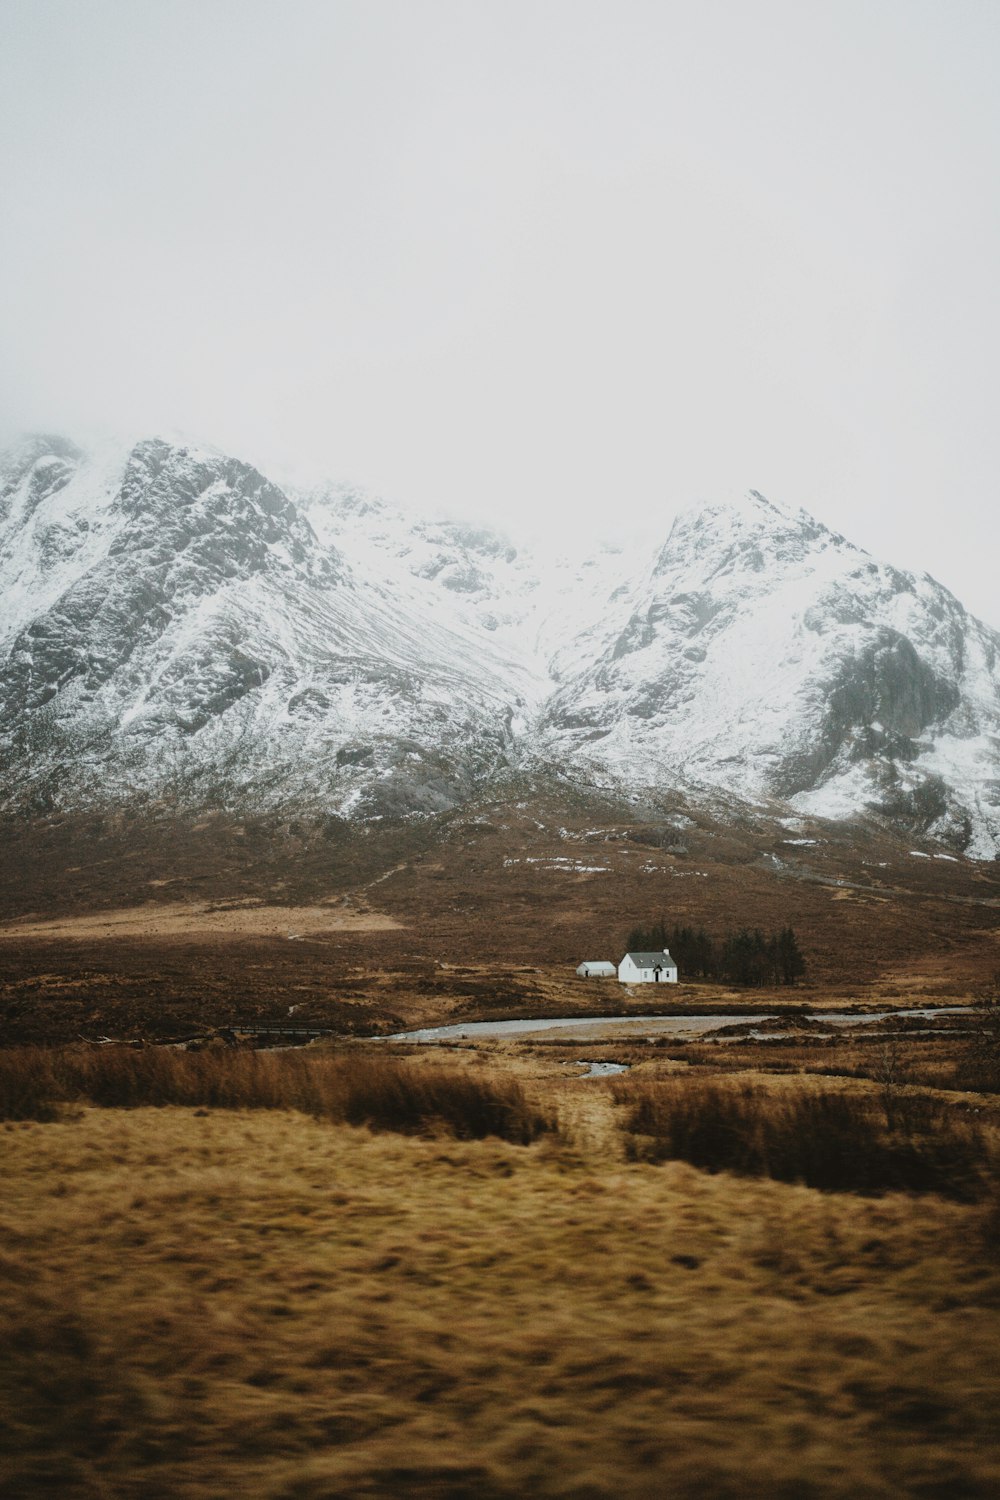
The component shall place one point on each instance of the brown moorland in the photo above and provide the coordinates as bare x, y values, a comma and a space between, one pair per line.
259, 1300
159, 924
488, 1275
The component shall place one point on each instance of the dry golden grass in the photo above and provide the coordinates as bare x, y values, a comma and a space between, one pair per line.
199, 1303
409, 1094
191, 921
844, 1140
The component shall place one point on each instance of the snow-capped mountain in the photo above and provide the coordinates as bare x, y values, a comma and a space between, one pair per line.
175, 626
172, 626
764, 654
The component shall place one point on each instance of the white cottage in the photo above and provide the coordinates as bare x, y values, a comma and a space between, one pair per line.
647, 968
596, 968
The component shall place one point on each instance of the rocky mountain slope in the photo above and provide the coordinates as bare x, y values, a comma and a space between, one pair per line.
173, 627
764, 654
176, 628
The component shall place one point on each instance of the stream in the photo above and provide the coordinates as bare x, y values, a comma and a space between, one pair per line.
664, 1025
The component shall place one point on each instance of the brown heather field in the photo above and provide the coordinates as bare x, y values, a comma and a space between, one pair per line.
266, 1301
155, 926
366, 1270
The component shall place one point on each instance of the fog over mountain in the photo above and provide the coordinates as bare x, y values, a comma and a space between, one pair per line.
537, 265
176, 627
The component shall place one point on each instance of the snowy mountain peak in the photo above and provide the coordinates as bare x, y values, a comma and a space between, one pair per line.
750, 533
174, 624
766, 655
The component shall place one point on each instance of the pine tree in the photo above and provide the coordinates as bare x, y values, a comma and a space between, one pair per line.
791, 964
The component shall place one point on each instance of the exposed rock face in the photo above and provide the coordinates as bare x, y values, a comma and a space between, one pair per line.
175, 626
765, 654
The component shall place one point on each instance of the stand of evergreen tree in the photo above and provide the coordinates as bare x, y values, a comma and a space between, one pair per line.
746, 957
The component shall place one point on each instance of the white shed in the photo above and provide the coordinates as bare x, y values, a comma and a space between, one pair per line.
596, 968
647, 968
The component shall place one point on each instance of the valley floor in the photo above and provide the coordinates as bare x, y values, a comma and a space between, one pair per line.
233, 1286
202, 1301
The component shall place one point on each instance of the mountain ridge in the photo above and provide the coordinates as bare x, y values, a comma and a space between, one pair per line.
176, 626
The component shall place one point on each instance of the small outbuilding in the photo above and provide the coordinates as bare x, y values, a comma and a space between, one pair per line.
647, 968
596, 968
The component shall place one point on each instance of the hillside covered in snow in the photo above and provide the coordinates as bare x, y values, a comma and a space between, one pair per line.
176, 628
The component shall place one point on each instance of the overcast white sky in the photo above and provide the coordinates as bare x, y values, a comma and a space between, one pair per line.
563, 262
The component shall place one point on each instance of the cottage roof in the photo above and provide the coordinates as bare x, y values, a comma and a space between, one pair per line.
650, 960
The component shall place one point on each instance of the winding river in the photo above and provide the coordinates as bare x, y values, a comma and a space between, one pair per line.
683, 1025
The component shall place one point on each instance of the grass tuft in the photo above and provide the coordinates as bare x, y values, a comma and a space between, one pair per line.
382, 1092
839, 1141
28, 1088
390, 1095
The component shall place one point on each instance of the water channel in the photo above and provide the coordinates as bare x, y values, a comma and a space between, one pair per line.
682, 1025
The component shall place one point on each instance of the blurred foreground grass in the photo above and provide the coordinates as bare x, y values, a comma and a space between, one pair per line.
200, 1301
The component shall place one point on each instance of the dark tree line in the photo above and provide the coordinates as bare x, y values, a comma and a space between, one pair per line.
745, 957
